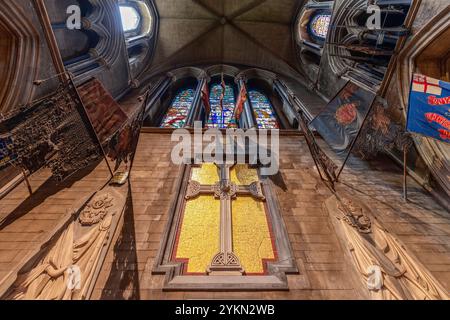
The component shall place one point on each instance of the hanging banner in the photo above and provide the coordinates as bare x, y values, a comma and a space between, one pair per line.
104, 112
429, 108
340, 122
205, 99
240, 102
7, 154
52, 132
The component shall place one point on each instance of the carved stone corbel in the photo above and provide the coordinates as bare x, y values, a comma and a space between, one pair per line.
193, 190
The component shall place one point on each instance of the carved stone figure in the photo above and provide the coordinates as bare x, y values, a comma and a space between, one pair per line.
67, 269
387, 269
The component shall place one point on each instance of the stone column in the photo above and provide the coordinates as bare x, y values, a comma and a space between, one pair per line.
290, 100
196, 109
157, 91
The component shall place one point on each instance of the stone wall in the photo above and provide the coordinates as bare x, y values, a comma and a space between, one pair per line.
325, 272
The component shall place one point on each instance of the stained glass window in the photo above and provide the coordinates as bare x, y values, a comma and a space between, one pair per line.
177, 114
319, 25
263, 111
130, 18
217, 119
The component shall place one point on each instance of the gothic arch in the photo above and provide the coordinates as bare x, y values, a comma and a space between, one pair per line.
19, 57
175, 80
308, 47
100, 37
262, 81
141, 42
358, 53
255, 73
168, 86
187, 72
222, 68
435, 154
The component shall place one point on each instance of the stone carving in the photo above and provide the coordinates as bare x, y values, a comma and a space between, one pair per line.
225, 262
416, 56
68, 268
374, 278
96, 210
354, 215
388, 270
193, 190
225, 190
256, 191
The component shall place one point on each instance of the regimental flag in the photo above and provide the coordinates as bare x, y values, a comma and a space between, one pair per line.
105, 114
240, 103
429, 108
205, 99
7, 153
342, 119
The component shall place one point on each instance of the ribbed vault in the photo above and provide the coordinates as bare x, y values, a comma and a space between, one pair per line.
255, 33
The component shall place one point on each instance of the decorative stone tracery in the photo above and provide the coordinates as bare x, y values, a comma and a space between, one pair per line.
19, 57
96, 210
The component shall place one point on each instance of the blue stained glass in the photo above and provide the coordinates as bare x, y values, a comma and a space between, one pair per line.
177, 114
320, 24
263, 111
216, 118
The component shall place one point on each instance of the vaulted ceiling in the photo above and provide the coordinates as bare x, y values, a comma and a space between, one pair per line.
254, 33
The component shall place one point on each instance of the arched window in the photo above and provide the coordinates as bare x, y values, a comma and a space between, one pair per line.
138, 25
177, 114
130, 18
263, 111
217, 118
319, 25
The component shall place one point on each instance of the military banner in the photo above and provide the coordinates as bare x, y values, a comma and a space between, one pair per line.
429, 108
340, 122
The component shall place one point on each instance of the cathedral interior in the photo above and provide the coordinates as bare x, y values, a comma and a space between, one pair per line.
96, 96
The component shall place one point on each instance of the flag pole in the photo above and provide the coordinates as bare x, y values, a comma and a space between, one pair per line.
405, 147
27, 182
354, 141
405, 173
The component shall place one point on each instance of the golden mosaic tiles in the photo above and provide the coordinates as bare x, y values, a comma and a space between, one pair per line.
251, 237
241, 174
207, 174
199, 236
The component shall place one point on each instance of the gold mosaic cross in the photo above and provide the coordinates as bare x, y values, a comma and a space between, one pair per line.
225, 262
